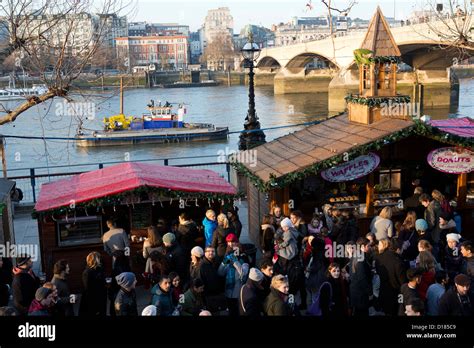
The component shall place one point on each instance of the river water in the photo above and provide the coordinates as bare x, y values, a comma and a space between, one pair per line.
222, 106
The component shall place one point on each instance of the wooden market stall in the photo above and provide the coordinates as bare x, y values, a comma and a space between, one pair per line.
365, 159
72, 212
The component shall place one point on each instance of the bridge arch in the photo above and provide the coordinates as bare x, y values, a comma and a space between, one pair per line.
268, 62
302, 60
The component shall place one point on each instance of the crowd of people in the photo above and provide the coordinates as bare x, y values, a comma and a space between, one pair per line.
419, 265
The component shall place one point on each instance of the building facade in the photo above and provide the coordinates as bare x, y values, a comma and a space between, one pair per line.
218, 22
157, 29
166, 52
113, 27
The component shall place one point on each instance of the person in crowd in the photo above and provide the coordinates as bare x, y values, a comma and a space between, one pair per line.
408, 238
234, 221
220, 234
42, 303
421, 227
160, 266
458, 301
297, 220
149, 311
235, 270
447, 224
126, 301
373, 244
453, 261
115, 238
316, 265
187, 233
360, 286
391, 271
24, 285
314, 228
7, 311
162, 297
414, 308
408, 290
278, 301
266, 267
412, 203
443, 202
54, 289
286, 245
249, 305
193, 299
267, 237
196, 258
467, 251
94, 295
277, 216
121, 265
64, 306
334, 294
432, 213
210, 225
382, 225
6, 271
178, 261
176, 287
327, 215
213, 283
427, 264
435, 292
154, 242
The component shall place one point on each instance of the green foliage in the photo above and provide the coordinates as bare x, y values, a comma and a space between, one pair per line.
376, 101
362, 56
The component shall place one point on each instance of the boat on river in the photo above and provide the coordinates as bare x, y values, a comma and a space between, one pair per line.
160, 125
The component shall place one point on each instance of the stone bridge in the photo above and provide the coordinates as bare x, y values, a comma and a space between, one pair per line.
427, 56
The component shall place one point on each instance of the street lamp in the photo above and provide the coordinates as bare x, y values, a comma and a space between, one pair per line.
252, 135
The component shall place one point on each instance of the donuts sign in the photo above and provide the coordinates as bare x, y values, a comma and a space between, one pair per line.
452, 160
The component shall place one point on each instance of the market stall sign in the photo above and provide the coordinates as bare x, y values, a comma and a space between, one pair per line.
452, 160
351, 170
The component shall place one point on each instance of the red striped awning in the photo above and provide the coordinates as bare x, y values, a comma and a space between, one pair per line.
463, 127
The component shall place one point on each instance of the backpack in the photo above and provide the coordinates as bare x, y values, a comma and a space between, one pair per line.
315, 307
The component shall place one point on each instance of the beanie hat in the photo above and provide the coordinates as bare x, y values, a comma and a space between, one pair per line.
197, 251
462, 279
286, 223
42, 293
231, 238
256, 275
169, 238
125, 279
421, 225
453, 236
22, 259
149, 311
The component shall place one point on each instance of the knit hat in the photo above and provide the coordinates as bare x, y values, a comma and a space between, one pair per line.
22, 259
149, 311
421, 225
169, 238
286, 223
42, 293
453, 236
125, 279
231, 238
462, 279
197, 251
256, 275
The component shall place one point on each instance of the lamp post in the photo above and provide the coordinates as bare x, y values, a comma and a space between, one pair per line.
252, 135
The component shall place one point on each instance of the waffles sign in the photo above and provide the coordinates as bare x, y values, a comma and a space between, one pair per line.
452, 160
357, 168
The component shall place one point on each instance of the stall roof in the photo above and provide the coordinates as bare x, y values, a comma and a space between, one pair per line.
462, 127
125, 177
296, 151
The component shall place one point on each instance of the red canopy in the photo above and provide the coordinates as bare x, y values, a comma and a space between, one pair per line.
128, 176
463, 127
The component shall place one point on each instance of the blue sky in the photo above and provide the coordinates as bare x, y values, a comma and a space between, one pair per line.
264, 12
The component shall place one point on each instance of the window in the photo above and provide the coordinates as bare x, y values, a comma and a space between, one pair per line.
366, 76
78, 231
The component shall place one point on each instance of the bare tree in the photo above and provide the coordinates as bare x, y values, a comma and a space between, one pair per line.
56, 39
220, 52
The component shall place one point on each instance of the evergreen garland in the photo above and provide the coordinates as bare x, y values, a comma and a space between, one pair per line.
376, 101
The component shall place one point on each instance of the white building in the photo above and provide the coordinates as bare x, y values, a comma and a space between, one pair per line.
217, 22
113, 27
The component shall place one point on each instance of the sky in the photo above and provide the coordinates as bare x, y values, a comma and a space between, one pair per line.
260, 12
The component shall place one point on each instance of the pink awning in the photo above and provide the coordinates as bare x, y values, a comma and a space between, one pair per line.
463, 127
125, 177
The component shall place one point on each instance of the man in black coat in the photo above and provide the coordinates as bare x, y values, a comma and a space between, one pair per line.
213, 283
64, 307
408, 290
179, 261
458, 301
187, 233
360, 287
24, 285
467, 251
249, 305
